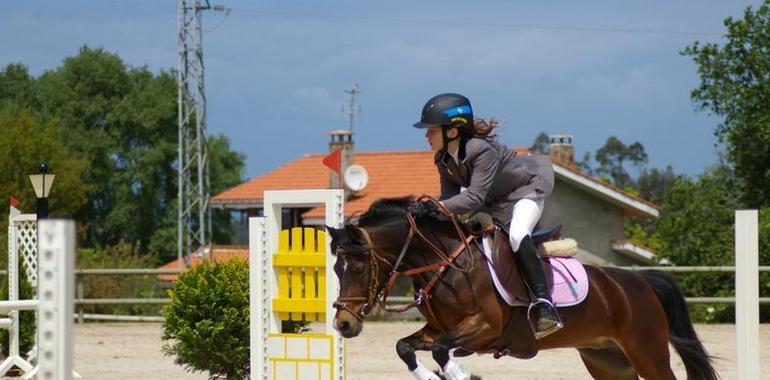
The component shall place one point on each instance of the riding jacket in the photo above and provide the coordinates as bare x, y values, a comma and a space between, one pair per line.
489, 177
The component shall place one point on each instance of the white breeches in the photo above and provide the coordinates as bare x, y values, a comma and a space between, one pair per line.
526, 213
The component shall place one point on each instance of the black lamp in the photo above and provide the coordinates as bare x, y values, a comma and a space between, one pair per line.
42, 183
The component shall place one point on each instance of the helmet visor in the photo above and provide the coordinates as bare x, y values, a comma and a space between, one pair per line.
422, 125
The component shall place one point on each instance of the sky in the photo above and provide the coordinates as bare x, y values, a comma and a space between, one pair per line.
276, 71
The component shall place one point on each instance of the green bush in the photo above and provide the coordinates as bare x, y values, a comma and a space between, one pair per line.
207, 322
121, 255
27, 323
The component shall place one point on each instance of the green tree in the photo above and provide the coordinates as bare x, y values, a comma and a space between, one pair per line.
16, 85
25, 142
540, 145
122, 121
612, 158
226, 169
735, 86
697, 228
653, 184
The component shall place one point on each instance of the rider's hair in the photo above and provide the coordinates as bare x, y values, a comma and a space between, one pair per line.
481, 129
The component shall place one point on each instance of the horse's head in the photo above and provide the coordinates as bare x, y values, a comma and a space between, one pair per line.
365, 258
360, 272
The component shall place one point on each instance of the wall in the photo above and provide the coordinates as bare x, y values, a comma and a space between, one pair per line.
594, 223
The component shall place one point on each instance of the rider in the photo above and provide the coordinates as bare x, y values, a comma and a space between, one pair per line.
478, 174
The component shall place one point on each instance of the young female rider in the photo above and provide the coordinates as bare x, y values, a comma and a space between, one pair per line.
478, 174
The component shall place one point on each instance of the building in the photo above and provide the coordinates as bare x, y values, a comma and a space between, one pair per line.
589, 210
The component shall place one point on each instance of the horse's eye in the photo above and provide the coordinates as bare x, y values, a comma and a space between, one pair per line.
357, 268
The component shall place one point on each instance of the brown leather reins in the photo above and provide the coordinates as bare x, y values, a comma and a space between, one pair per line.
378, 295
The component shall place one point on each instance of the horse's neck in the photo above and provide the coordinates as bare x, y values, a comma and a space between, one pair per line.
424, 256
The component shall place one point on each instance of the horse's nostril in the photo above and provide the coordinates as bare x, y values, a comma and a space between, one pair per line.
344, 326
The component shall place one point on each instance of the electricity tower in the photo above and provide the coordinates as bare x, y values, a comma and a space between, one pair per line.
194, 224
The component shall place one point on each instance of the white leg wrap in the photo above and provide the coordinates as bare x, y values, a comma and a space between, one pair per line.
422, 373
453, 371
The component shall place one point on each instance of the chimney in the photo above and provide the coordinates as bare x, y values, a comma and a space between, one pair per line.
341, 139
561, 150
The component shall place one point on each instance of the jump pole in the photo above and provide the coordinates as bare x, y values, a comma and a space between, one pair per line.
747, 293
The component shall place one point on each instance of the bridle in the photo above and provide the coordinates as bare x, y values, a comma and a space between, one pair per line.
377, 295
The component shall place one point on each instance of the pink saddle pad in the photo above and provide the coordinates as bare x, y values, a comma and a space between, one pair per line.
570, 281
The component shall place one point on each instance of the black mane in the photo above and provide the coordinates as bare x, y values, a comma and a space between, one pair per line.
384, 210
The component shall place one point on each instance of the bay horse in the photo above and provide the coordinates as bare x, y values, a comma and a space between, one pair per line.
621, 330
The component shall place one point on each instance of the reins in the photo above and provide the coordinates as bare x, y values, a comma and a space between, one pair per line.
377, 295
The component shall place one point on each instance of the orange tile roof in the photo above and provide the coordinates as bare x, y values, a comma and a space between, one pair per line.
391, 174
306, 172
218, 253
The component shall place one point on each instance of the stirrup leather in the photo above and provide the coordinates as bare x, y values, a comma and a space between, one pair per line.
541, 334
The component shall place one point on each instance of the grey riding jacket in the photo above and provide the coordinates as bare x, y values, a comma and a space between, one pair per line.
494, 178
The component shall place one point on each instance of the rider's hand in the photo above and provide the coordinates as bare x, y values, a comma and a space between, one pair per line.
423, 208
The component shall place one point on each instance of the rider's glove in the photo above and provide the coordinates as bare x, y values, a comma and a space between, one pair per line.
423, 208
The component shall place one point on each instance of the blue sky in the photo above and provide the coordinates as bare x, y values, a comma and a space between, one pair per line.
276, 71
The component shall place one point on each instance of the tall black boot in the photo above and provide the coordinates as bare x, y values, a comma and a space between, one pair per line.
530, 267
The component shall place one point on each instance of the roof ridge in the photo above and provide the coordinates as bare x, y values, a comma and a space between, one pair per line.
610, 186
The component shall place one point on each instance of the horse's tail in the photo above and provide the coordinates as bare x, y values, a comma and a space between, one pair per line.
681, 333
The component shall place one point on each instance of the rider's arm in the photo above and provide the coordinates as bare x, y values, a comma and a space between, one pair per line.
484, 161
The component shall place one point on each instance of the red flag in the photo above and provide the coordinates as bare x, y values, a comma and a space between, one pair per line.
14, 202
334, 160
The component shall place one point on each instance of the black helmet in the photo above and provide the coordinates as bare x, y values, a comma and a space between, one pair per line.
447, 110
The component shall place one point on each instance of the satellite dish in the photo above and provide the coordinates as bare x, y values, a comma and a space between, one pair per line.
356, 177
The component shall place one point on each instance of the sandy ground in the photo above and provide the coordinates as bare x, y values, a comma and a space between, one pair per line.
132, 351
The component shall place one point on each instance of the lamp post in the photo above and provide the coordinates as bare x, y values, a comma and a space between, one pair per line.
42, 183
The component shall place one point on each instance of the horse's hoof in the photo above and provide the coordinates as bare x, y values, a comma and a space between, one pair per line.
473, 377
461, 353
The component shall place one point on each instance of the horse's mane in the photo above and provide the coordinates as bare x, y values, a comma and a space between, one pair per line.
384, 211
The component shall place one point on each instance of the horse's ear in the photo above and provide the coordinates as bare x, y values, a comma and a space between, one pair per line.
336, 233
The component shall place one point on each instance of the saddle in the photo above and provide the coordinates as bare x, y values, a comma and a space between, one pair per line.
565, 276
505, 266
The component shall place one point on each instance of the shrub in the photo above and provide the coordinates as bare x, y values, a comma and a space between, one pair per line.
120, 255
27, 323
207, 322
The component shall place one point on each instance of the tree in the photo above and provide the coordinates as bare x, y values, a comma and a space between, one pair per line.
612, 157
121, 121
696, 227
540, 145
26, 141
735, 86
653, 184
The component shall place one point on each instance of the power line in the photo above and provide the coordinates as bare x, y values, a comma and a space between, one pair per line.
451, 22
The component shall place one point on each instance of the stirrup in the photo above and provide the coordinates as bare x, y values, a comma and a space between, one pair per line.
556, 327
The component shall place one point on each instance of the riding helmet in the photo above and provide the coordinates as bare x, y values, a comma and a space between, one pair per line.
447, 110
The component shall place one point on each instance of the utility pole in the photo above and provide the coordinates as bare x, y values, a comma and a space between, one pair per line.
194, 222
352, 112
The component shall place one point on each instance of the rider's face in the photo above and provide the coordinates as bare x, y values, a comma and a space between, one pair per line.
433, 134
436, 141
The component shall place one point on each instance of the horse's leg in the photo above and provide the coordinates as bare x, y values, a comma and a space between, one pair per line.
648, 353
645, 338
440, 351
607, 364
405, 347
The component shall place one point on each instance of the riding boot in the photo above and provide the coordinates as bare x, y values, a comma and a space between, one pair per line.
531, 268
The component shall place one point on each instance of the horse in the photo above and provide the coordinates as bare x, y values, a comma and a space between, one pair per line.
622, 329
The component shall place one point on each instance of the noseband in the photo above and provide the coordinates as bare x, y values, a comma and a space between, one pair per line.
377, 294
